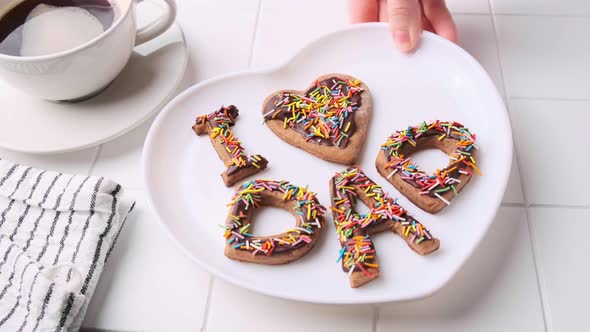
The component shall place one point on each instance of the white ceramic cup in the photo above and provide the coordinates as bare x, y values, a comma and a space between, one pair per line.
87, 69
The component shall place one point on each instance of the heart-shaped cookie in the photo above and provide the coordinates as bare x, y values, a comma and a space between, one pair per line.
329, 119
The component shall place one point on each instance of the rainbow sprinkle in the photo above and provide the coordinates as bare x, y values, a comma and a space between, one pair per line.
250, 195
324, 115
442, 181
358, 251
221, 121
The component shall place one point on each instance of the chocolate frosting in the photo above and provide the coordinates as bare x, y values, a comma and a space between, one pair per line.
241, 206
224, 118
352, 184
432, 137
251, 195
277, 108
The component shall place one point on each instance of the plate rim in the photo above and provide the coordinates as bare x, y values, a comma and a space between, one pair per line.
147, 152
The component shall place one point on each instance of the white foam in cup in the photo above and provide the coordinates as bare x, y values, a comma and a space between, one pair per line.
48, 29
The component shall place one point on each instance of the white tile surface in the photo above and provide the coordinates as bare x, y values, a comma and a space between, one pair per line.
305, 6
283, 28
542, 7
120, 159
545, 159
72, 162
545, 57
235, 308
218, 36
495, 291
224, 4
148, 284
468, 6
561, 244
476, 36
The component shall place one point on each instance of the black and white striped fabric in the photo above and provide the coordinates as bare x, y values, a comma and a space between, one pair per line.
56, 233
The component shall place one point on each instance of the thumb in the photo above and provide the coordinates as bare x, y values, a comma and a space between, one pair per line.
405, 23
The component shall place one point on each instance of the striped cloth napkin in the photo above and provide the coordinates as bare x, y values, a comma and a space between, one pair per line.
56, 233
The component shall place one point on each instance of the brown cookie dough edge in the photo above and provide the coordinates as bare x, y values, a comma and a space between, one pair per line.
427, 203
242, 173
275, 258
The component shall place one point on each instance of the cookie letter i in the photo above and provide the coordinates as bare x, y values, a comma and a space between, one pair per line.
228, 147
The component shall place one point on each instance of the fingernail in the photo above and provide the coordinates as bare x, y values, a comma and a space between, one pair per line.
402, 38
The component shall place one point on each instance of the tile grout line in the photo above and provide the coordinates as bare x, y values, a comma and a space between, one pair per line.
375, 318
550, 99
534, 251
545, 206
95, 159
255, 34
505, 89
522, 15
540, 280
541, 15
469, 13
207, 304
560, 206
509, 204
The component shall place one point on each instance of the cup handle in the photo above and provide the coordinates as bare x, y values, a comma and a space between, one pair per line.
158, 26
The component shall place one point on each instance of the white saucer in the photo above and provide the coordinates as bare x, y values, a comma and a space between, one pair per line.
154, 71
439, 81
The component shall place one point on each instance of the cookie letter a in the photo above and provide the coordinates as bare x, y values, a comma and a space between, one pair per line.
358, 255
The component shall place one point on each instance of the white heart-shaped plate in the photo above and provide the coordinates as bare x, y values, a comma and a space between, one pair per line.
439, 81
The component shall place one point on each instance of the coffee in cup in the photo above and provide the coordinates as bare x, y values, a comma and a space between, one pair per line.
71, 49
42, 27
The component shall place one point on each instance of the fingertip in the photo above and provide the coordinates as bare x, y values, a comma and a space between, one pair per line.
405, 40
402, 40
405, 23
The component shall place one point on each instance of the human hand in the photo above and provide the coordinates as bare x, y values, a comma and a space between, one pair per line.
406, 18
